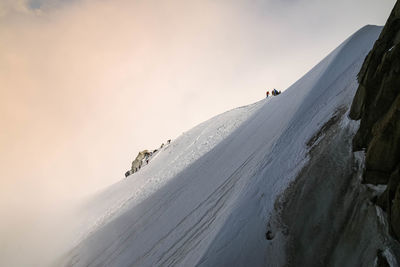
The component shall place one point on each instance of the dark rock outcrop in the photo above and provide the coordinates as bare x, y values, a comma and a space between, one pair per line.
377, 105
144, 157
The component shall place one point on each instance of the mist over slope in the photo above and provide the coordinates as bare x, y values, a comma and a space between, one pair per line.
209, 198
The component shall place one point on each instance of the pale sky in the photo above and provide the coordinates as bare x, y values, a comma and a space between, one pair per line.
86, 84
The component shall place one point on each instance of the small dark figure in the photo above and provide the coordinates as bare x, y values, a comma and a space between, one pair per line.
267, 94
162, 145
269, 235
275, 92
169, 141
127, 173
155, 150
147, 161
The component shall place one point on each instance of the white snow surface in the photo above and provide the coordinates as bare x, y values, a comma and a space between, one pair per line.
207, 197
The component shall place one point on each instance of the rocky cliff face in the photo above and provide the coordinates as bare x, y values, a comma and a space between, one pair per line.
377, 105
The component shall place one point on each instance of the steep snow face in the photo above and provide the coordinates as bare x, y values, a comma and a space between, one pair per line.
206, 199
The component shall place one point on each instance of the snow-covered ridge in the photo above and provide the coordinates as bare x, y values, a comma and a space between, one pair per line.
166, 163
205, 199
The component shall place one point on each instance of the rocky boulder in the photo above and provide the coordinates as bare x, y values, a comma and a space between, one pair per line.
137, 163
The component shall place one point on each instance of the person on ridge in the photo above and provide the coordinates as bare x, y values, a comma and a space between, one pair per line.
267, 94
276, 92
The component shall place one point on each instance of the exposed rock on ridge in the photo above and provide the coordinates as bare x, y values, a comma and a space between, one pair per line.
377, 104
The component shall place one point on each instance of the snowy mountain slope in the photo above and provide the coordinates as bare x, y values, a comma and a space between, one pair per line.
166, 164
205, 200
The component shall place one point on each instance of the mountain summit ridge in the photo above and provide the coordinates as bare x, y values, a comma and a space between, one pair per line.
224, 178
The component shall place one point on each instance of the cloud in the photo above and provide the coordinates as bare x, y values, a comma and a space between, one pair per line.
20, 8
87, 84
13, 6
